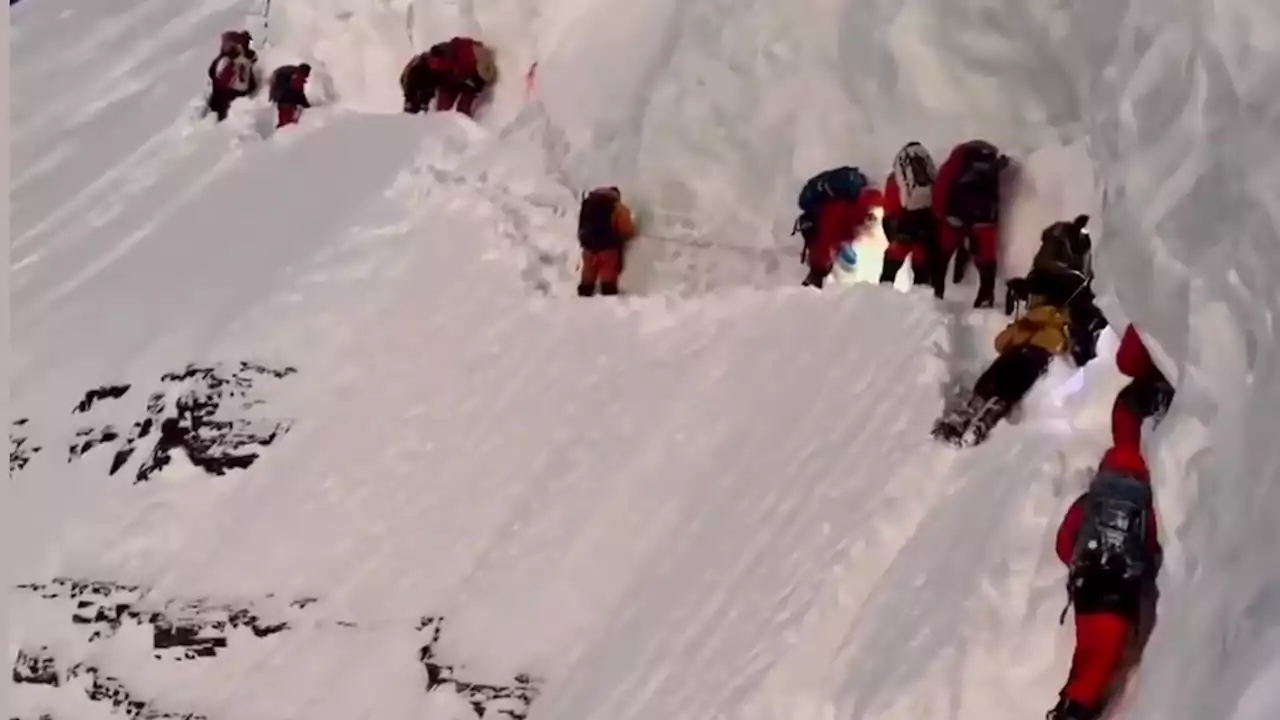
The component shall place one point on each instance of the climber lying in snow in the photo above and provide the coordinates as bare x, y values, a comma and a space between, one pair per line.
1108, 541
1026, 347
453, 73
835, 205
605, 226
1062, 271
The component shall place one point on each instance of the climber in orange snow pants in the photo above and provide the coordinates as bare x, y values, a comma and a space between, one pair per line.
605, 226
602, 267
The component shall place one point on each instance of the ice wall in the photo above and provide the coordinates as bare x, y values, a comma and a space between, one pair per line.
1184, 126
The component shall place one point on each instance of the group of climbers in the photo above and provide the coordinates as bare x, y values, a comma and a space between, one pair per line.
453, 73
931, 215
1055, 316
233, 74
1108, 541
935, 214
1108, 536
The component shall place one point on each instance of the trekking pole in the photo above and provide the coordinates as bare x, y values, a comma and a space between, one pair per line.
266, 23
712, 246
408, 26
1084, 282
1062, 619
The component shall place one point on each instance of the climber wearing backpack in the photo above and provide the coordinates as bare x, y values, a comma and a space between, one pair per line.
909, 224
232, 74
1108, 541
458, 71
1148, 394
605, 226
1026, 346
288, 90
1062, 272
834, 206
418, 83
966, 204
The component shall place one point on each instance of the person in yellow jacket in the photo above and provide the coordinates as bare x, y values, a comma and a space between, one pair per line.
1026, 347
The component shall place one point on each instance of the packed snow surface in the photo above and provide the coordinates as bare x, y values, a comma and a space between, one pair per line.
308, 422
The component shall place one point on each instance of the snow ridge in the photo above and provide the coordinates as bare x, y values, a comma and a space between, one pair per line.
713, 498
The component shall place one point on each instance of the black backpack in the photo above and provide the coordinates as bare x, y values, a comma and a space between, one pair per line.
595, 222
1112, 548
279, 83
975, 194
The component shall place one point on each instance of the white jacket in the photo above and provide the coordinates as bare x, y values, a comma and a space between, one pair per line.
243, 72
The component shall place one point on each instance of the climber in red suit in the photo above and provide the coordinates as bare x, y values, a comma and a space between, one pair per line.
908, 222
966, 205
461, 68
1108, 539
838, 221
1147, 394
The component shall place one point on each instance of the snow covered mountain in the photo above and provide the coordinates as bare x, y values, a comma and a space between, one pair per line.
309, 424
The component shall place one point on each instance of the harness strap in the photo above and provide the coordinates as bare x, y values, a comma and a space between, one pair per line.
1062, 619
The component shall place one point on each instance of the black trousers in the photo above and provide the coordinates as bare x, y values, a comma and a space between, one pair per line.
220, 100
1012, 374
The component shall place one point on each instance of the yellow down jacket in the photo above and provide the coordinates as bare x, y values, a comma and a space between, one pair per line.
1044, 326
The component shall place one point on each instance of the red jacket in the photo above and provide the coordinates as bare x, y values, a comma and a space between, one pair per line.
1118, 459
892, 199
948, 172
840, 221
1132, 357
459, 64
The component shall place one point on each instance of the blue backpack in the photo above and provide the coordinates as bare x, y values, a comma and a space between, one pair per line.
842, 183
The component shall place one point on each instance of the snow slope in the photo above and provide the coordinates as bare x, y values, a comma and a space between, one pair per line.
716, 498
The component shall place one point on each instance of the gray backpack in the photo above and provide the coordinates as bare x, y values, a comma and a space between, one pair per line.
916, 174
1114, 539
